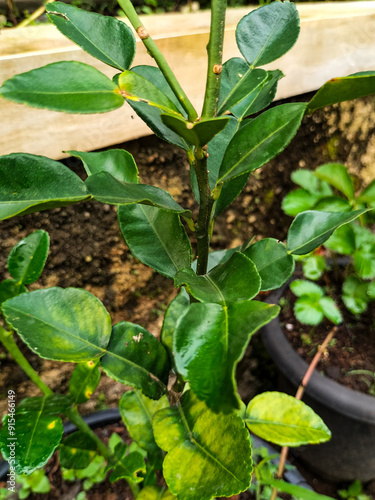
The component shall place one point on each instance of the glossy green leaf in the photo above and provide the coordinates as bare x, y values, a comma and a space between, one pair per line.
354, 294
337, 176
137, 412
30, 183
333, 204
308, 310
134, 357
31, 442
284, 420
298, 201
49, 405
273, 263
10, 289
342, 240
151, 114
209, 455
64, 325
224, 333
196, 134
105, 188
135, 87
343, 89
156, 237
237, 279
238, 80
310, 229
303, 287
27, 259
173, 313
313, 266
330, 310
90, 31
130, 466
77, 451
69, 86
84, 380
260, 140
267, 33
116, 162
155, 493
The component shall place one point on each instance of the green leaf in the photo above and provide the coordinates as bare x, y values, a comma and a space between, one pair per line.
313, 266
298, 201
337, 176
155, 493
151, 114
368, 194
37, 437
84, 380
283, 420
10, 289
342, 240
137, 412
267, 33
303, 287
310, 229
307, 180
63, 325
134, 357
173, 313
127, 466
343, 89
30, 183
260, 140
224, 333
135, 87
77, 451
27, 259
364, 262
90, 31
197, 134
295, 490
202, 448
333, 204
105, 188
274, 265
234, 280
330, 310
49, 405
308, 310
116, 162
354, 294
155, 237
69, 86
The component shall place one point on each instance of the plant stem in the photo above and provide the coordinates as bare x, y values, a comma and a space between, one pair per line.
154, 51
299, 394
215, 58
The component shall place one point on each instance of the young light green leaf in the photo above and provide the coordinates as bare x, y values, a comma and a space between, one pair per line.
298, 201
308, 310
234, 280
155, 237
354, 294
90, 31
173, 313
116, 162
342, 240
196, 134
273, 263
27, 259
330, 310
368, 194
137, 412
364, 262
313, 266
77, 451
134, 357
84, 380
295, 490
268, 32
30, 183
10, 289
130, 466
310, 229
260, 140
224, 332
284, 420
35, 444
68, 86
303, 287
155, 493
343, 89
199, 441
337, 176
105, 188
63, 325
332, 204
307, 180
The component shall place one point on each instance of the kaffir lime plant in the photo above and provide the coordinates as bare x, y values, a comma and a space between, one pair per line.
196, 430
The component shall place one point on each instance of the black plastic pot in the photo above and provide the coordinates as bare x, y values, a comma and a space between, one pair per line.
350, 415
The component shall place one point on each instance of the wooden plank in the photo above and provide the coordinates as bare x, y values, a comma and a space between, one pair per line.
336, 39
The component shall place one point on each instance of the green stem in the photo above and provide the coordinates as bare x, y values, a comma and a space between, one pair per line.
215, 57
154, 51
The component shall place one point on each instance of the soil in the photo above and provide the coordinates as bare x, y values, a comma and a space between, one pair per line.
87, 249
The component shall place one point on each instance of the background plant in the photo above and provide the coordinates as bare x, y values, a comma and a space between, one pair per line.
184, 414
